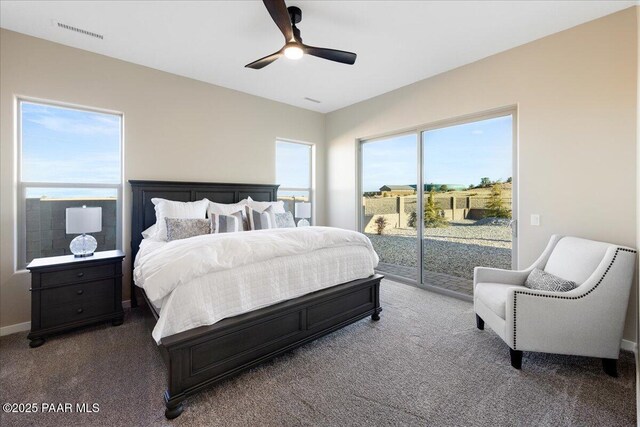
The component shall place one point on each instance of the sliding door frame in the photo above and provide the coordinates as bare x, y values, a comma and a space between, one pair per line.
418, 131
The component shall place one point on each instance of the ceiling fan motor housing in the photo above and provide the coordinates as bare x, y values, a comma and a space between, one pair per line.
295, 13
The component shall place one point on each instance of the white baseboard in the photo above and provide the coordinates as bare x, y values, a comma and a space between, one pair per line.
25, 326
13, 329
629, 346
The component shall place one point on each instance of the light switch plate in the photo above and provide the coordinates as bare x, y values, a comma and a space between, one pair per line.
535, 219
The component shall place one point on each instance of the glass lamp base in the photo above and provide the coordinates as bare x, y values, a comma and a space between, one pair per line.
83, 245
303, 223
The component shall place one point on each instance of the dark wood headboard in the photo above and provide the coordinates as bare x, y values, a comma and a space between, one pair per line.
143, 213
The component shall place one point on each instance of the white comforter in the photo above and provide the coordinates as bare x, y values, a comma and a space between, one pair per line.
201, 280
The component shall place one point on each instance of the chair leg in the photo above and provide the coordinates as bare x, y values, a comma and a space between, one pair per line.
479, 323
610, 367
516, 358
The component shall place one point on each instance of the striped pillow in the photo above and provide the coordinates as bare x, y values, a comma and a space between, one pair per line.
261, 220
226, 223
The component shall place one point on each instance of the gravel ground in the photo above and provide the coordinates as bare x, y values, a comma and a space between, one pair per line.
453, 250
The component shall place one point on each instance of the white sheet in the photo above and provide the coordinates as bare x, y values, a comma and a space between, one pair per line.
205, 279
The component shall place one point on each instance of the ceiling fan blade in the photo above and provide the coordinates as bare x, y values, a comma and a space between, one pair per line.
331, 54
263, 62
278, 11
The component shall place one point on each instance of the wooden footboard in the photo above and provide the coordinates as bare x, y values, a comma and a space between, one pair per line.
206, 355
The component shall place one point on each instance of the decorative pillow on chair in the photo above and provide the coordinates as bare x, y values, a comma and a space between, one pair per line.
261, 220
543, 281
183, 228
285, 220
227, 223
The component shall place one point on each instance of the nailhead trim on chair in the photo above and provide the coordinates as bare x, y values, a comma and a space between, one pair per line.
515, 296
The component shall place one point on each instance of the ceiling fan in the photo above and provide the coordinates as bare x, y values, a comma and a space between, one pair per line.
286, 19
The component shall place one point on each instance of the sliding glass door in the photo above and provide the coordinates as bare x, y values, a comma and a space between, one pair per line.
468, 187
389, 182
466, 198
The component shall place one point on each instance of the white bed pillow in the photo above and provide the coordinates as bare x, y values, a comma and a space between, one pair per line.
172, 209
225, 208
278, 207
149, 232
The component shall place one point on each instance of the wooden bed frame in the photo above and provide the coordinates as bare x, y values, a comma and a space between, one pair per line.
200, 357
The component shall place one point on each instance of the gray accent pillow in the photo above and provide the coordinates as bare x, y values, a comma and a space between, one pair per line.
227, 223
183, 228
543, 281
285, 220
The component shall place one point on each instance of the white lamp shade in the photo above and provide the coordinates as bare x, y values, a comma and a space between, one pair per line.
84, 220
303, 210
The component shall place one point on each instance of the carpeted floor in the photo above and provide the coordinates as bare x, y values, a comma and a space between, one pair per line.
423, 363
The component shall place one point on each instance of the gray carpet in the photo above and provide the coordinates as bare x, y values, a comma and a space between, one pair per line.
423, 363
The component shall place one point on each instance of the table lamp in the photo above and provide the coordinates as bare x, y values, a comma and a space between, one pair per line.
303, 211
81, 221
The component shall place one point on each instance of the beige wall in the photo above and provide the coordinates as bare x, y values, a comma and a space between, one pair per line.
175, 129
575, 93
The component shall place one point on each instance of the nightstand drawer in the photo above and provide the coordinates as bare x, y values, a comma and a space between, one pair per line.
78, 293
77, 274
72, 312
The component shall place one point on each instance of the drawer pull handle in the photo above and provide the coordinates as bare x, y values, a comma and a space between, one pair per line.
80, 292
79, 311
80, 274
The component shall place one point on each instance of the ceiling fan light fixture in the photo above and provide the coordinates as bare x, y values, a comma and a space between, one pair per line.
293, 52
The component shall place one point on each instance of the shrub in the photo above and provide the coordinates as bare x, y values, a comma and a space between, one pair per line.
381, 224
433, 216
495, 206
444, 188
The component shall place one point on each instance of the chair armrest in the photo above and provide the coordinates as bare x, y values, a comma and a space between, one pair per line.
497, 275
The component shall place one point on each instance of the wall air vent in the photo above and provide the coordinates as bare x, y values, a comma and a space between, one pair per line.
80, 31
312, 100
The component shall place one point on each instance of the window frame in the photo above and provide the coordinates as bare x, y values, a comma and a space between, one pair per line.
312, 174
21, 187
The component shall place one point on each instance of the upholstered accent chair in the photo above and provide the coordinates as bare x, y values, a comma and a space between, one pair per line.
586, 321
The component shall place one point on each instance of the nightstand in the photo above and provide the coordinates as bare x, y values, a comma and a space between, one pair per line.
69, 292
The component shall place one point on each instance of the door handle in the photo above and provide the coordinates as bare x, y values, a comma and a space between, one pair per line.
514, 227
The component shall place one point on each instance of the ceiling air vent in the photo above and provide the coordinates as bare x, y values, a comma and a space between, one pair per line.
312, 100
80, 31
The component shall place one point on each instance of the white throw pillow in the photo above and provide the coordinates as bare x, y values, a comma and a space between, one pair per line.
172, 209
278, 207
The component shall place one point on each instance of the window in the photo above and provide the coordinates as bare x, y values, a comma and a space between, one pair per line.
294, 173
68, 157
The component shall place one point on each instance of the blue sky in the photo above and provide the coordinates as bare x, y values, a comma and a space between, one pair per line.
292, 165
461, 154
69, 146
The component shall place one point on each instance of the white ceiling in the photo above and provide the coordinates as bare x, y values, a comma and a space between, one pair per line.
397, 42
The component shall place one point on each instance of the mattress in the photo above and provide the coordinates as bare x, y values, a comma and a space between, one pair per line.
212, 297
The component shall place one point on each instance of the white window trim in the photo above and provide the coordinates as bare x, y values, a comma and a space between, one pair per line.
20, 261
312, 175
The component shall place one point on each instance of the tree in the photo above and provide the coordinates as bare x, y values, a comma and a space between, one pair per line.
485, 182
444, 188
381, 224
495, 206
471, 187
509, 180
432, 214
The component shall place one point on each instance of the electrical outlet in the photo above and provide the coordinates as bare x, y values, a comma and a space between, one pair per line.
535, 219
